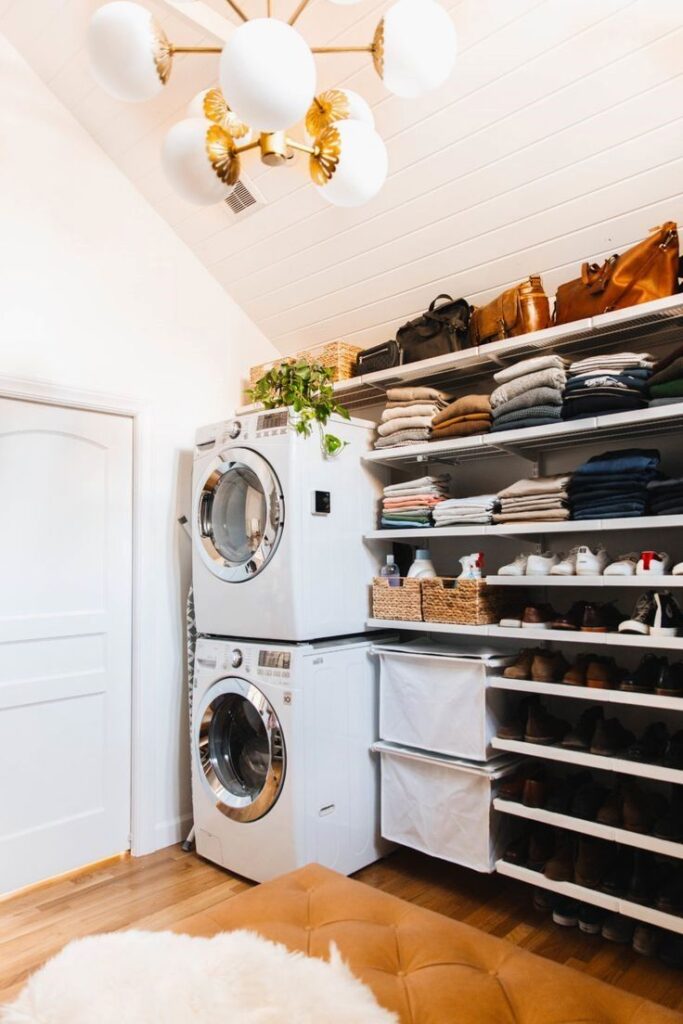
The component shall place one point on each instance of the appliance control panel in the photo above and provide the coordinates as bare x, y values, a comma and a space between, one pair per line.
274, 665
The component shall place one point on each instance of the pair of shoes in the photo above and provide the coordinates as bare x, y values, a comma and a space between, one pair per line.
597, 734
530, 565
598, 672
569, 913
655, 614
532, 723
647, 563
583, 615
629, 807
582, 561
657, 746
654, 674
537, 664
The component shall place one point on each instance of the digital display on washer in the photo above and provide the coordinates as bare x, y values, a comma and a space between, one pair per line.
274, 659
272, 420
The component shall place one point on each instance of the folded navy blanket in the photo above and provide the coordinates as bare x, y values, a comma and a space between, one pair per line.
630, 460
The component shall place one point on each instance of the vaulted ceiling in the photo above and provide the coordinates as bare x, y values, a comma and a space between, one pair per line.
559, 138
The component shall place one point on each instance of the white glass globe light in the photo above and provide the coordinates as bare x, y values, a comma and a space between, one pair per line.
359, 108
187, 165
420, 46
267, 74
195, 108
122, 41
362, 168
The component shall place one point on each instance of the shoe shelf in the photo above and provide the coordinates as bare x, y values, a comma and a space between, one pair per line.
513, 530
640, 912
660, 643
611, 582
620, 766
528, 440
638, 840
641, 700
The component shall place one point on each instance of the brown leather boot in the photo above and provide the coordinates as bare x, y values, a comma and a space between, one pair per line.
521, 667
611, 811
542, 727
603, 674
547, 667
592, 861
576, 674
560, 867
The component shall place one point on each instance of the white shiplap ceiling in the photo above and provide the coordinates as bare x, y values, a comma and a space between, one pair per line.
559, 138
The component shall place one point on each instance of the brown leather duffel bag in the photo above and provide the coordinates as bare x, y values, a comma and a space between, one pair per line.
647, 271
519, 310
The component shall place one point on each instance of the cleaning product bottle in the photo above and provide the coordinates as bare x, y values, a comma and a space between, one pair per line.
422, 568
391, 572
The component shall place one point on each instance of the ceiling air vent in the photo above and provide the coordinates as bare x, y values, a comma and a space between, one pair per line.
244, 199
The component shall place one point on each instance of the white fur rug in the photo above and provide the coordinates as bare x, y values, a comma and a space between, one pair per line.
163, 978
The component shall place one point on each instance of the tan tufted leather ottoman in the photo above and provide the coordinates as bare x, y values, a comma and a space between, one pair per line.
428, 968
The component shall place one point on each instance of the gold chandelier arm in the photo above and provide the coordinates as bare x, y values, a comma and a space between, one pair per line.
246, 146
269, 8
300, 9
195, 49
302, 147
343, 49
238, 10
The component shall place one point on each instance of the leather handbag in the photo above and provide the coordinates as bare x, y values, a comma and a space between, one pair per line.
443, 328
379, 357
519, 310
647, 271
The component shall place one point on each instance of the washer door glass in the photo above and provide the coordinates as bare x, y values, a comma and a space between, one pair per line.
241, 750
239, 515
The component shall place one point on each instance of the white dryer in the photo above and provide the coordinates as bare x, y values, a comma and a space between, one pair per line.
282, 771
278, 528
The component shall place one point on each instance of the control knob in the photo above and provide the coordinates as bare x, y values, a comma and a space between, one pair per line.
236, 658
235, 430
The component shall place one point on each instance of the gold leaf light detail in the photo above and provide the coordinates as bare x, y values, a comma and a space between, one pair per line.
378, 49
217, 110
330, 106
162, 52
225, 160
323, 162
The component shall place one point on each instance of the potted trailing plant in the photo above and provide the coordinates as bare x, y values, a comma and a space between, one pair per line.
305, 388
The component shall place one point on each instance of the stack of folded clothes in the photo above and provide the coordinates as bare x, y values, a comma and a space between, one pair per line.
529, 394
665, 497
456, 511
613, 485
541, 499
463, 418
666, 383
408, 415
411, 503
603, 384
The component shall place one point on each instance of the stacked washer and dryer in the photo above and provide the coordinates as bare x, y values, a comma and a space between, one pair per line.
284, 701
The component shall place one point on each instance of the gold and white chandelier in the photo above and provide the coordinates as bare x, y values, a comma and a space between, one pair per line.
267, 78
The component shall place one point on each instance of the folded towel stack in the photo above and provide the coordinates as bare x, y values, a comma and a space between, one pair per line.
529, 394
464, 417
666, 497
412, 503
541, 499
613, 485
666, 383
407, 417
603, 384
456, 511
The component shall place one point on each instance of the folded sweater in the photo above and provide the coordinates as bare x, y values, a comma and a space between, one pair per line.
403, 423
417, 394
536, 396
468, 405
537, 485
402, 411
549, 378
414, 436
532, 365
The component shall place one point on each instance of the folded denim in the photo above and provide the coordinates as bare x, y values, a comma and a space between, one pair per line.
610, 482
635, 373
621, 381
629, 460
607, 514
536, 396
630, 506
667, 508
550, 412
600, 405
663, 486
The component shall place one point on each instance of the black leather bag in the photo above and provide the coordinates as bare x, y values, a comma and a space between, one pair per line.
380, 357
443, 328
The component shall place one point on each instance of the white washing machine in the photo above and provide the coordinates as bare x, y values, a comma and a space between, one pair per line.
278, 548
282, 771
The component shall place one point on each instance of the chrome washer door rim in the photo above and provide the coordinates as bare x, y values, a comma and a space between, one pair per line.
228, 461
240, 808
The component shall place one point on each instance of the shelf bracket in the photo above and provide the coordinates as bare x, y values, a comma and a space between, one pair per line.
528, 454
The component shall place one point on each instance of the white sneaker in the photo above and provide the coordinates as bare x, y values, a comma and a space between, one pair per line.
540, 565
566, 566
677, 569
625, 565
591, 563
653, 563
515, 568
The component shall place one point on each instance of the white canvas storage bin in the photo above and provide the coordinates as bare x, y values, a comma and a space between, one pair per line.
436, 698
442, 806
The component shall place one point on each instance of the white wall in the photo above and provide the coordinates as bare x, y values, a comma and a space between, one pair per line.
97, 292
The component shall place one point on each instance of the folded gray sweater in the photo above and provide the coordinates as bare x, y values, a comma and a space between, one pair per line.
529, 399
550, 378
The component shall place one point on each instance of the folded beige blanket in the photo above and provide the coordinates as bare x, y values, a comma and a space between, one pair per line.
401, 411
465, 406
550, 378
414, 436
532, 365
417, 394
536, 485
549, 516
403, 423
524, 504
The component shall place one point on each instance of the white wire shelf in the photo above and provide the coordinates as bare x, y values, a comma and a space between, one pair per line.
530, 529
536, 636
666, 419
641, 700
656, 772
671, 922
608, 582
590, 828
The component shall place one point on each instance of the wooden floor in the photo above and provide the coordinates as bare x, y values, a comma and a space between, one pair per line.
161, 890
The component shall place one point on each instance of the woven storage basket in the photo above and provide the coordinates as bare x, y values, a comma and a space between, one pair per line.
463, 602
338, 355
398, 602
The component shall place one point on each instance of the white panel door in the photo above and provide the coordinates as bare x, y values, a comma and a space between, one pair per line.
65, 638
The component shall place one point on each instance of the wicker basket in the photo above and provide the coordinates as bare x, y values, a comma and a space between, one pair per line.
462, 602
402, 602
338, 355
